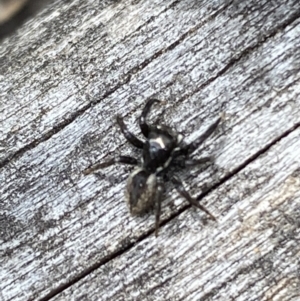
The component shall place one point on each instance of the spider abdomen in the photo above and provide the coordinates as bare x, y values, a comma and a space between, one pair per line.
141, 191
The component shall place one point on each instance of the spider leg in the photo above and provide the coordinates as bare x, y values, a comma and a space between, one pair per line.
120, 159
190, 148
128, 135
179, 187
142, 121
158, 199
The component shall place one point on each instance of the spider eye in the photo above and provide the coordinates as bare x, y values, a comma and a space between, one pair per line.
140, 192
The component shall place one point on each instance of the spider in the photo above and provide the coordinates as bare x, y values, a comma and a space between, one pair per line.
163, 148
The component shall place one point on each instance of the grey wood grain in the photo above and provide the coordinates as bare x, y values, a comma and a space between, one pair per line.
59, 95
48, 79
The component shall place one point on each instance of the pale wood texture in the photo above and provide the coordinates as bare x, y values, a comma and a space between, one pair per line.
63, 78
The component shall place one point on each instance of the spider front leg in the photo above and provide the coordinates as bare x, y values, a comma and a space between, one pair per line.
128, 135
142, 122
180, 188
190, 148
120, 159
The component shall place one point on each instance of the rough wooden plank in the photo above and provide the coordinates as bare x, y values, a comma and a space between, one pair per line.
253, 253
58, 223
48, 79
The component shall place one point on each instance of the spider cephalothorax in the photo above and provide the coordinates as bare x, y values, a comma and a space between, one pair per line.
163, 148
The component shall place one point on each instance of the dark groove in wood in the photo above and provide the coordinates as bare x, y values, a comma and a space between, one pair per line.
250, 160
92, 268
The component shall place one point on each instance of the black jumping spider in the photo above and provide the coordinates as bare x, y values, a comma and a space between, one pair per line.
163, 148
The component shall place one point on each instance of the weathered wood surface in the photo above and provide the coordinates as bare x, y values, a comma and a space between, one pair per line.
66, 74
253, 251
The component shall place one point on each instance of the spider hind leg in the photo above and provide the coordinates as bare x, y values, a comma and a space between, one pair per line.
181, 190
